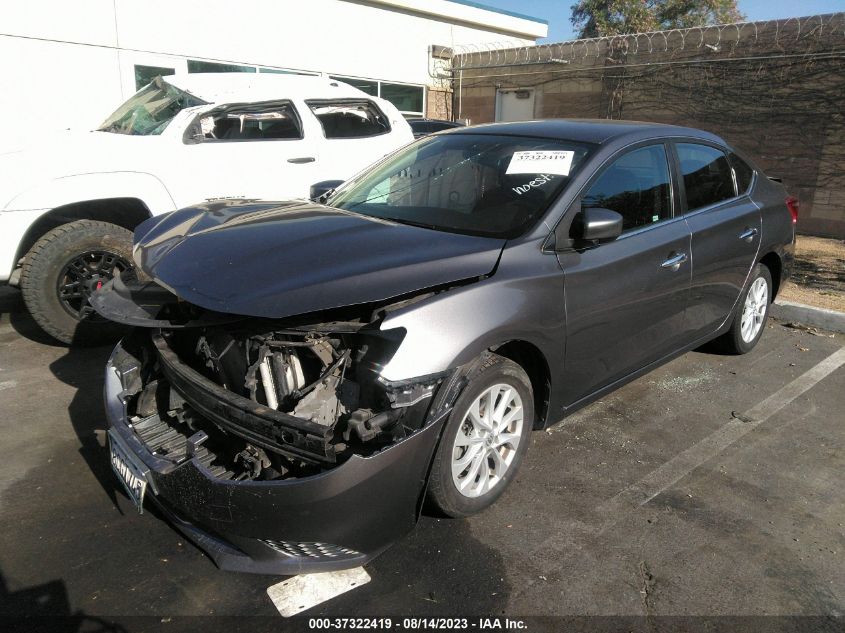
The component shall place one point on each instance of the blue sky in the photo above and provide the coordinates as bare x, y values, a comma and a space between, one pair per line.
557, 12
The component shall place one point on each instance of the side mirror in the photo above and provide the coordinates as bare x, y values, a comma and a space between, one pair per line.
320, 191
598, 224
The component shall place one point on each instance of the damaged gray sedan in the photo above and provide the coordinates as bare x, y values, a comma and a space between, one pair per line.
302, 376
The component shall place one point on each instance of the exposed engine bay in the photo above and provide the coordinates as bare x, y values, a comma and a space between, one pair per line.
254, 401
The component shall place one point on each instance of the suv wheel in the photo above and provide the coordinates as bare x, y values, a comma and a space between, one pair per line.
61, 271
484, 440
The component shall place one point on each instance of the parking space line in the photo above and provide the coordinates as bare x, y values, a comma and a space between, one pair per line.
300, 593
659, 480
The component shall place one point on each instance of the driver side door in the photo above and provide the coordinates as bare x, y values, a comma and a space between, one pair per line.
626, 299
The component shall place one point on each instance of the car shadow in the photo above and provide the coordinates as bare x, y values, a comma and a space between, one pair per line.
11, 304
46, 607
82, 369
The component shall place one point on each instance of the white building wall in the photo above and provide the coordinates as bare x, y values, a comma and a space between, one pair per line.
69, 64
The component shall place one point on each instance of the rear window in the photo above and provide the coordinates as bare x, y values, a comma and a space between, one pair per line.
707, 175
743, 172
350, 118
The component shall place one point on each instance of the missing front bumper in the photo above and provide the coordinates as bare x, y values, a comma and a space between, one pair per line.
339, 518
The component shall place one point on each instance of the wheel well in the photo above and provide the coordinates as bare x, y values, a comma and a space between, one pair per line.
775, 266
125, 212
531, 359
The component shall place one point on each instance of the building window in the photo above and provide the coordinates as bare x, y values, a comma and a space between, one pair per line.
279, 71
197, 66
406, 98
364, 85
409, 100
145, 74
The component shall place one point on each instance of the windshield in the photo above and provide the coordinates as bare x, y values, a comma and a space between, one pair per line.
496, 186
149, 110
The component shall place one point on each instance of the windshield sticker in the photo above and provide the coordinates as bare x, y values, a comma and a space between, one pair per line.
541, 162
539, 181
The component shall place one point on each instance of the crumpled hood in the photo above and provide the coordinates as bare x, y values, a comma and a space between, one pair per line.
282, 259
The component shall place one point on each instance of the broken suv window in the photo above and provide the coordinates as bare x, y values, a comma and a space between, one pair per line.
349, 118
477, 184
249, 122
148, 111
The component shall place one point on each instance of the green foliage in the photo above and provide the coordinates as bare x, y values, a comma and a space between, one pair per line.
596, 18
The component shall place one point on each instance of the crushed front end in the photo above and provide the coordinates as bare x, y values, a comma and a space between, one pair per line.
275, 447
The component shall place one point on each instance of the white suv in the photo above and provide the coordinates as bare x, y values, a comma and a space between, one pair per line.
68, 206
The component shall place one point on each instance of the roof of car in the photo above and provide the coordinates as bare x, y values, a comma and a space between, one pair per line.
253, 87
599, 131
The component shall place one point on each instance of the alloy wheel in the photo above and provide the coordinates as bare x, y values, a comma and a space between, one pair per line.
487, 440
82, 276
754, 310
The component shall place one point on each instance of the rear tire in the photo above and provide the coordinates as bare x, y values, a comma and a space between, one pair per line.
752, 311
493, 414
62, 269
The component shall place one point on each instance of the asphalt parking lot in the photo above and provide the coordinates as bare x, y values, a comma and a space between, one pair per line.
713, 486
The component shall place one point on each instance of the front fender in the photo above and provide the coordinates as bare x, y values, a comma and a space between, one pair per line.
95, 186
523, 300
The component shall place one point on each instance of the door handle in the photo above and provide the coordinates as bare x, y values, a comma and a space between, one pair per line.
748, 234
674, 262
302, 160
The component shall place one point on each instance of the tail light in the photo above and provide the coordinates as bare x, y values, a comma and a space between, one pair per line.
793, 206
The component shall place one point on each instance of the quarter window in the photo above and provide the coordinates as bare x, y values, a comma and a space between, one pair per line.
349, 118
707, 175
636, 186
742, 171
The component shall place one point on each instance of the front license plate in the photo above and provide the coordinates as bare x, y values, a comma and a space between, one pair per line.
130, 474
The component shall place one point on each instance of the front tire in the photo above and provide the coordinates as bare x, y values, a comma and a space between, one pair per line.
749, 322
484, 440
63, 268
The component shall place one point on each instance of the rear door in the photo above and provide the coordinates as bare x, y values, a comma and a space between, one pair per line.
625, 299
725, 232
354, 133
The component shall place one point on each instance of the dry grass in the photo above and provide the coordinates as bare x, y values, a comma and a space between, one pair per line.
818, 275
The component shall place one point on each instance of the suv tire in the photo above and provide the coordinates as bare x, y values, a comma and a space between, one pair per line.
61, 270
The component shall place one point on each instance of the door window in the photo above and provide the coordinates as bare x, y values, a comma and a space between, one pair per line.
636, 186
707, 175
743, 173
349, 118
257, 122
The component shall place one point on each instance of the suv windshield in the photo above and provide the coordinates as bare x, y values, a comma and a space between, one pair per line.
149, 110
496, 186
